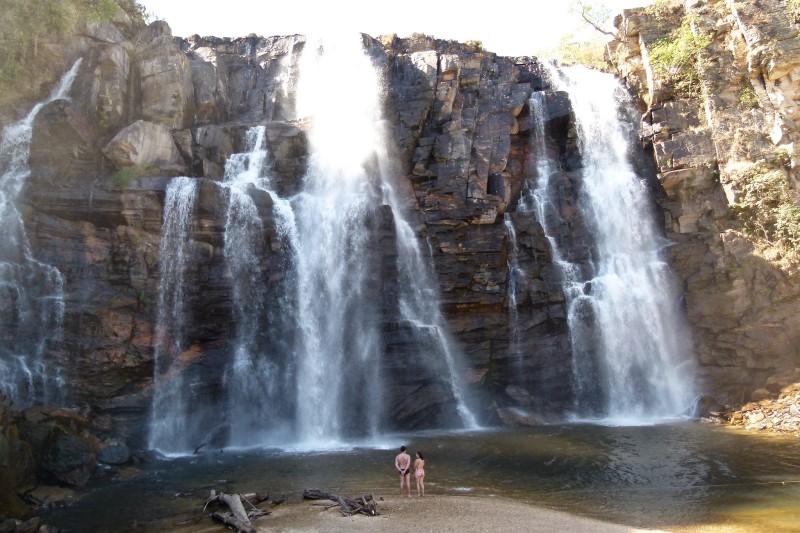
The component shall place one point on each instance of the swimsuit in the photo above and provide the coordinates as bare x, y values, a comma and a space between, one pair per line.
420, 472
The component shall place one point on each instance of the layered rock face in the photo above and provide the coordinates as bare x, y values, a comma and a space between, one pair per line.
726, 160
146, 107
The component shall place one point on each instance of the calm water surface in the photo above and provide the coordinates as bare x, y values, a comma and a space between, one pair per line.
664, 476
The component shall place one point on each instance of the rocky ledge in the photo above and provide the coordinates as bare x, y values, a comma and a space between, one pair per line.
778, 415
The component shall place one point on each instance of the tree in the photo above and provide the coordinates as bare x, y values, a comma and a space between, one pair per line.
594, 14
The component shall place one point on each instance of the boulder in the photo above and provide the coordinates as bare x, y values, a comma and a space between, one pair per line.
167, 93
518, 417
16, 463
144, 144
67, 458
64, 144
63, 449
114, 452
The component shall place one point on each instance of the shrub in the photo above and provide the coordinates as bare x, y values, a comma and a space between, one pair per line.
571, 52
768, 209
25, 23
676, 57
747, 98
793, 10
477, 46
124, 176
661, 9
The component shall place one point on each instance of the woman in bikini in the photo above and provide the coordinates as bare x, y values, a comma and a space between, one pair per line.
419, 473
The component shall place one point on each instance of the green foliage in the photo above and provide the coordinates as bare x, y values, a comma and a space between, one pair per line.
136, 11
477, 46
124, 176
769, 209
98, 10
793, 10
594, 14
570, 52
747, 98
787, 224
661, 9
675, 57
24, 24
418, 42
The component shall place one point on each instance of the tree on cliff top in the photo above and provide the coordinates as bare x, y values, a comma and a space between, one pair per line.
24, 24
586, 48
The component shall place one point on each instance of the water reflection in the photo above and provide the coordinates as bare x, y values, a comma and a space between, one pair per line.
669, 476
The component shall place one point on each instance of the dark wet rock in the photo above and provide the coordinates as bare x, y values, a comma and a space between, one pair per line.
114, 452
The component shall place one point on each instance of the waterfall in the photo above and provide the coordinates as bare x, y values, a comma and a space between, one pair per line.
259, 377
419, 302
306, 364
630, 345
338, 346
172, 426
338, 284
515, 276
543, 201
31, 292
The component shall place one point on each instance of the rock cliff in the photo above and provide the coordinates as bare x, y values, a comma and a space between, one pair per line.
147, 106
726, 158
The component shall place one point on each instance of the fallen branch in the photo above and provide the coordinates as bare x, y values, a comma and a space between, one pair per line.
231, 521
238, 517
364, 504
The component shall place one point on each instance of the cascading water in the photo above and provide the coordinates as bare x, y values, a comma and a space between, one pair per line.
306, 360
515, 276
338, 346
630, 346
419, 300
31, 292
544, 202
260, 374
338, 290
172, 428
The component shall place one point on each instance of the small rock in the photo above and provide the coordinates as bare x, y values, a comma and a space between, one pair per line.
29, 526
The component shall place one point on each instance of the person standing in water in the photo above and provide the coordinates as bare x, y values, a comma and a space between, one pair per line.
402, 462
419, 473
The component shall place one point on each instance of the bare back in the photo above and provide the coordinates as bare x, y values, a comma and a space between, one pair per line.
402, 461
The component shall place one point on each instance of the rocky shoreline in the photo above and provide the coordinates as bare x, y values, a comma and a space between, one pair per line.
776, 415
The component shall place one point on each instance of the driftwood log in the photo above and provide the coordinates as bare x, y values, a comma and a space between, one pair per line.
238, 518
364, 504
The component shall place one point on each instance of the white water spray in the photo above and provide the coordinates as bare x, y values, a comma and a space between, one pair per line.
338, 291
338, 314
172, 427
259, 376
629, 339
515, 276
31, 292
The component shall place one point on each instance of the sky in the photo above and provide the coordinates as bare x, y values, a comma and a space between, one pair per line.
506, 27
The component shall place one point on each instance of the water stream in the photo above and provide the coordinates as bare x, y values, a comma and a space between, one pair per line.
172, 429
339, 288
259, 376
627, 363
31, 292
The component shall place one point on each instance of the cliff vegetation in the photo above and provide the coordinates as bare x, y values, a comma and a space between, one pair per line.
30, 30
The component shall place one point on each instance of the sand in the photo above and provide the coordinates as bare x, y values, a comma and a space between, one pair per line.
433, 513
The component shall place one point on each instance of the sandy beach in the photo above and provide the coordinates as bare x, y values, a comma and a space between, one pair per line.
434, 514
